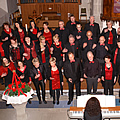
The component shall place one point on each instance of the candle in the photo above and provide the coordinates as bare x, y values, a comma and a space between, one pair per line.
26, 28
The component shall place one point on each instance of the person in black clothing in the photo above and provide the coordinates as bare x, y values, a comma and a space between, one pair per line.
5, 36
23, 72
116, 60
72, 46
108, 75
38, 77
74, 75
15, 51
43, 53
93, 27
89, 44
92, 109
101, 50
20, 32
29, 51
118, 32
92, 72
71, 24
56, 51
11, 68
110, 35
79, 34
62, 32
47, 33
54, 76
34, 32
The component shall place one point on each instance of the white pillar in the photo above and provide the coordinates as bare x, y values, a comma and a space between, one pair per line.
97, 10
20, 111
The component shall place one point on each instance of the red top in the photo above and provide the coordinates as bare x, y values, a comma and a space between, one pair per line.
48, 37
43, 57
28, 50
21, 36
34, 31
40, 78
16, 54
108, 72
1, 50
110, 39
56, 81
3, 70
11, 66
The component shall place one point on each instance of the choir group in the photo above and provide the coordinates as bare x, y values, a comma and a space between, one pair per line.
40, 55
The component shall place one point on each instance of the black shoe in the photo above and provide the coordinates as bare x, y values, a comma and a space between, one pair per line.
40, 102
61, 93
57, 102
53, 102
69, 102
119, 100
45, 102
29, 101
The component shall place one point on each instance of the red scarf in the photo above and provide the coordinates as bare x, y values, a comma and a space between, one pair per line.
8, 32
115, 56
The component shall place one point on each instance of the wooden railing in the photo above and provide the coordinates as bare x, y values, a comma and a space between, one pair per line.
48, 1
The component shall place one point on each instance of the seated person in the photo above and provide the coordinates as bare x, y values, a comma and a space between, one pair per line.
92, 109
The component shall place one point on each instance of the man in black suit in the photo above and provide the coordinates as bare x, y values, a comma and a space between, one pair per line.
93, 27
92, 72
79, 34
74, 75
71, 24
72, 46
62, 32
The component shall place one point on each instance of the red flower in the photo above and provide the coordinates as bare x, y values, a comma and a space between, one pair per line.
13, 89
18, 82
10, 85
22, 86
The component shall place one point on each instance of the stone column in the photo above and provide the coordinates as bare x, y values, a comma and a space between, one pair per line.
97, 10
20, 111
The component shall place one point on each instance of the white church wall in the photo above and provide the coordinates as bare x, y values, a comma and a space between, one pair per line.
3, 5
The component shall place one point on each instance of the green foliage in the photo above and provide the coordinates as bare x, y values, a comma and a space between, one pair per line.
11, 92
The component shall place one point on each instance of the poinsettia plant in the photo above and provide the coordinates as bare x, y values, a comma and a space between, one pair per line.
17, 88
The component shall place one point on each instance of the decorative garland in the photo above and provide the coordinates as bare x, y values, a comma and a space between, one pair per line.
17, 88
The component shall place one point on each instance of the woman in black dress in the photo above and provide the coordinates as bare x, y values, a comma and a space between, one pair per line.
23, 72
20, 32
5, 37
11, 68
29, 51
33, 32
56, 51
15, 50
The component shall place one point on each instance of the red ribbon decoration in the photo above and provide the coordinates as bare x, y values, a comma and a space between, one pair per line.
14, 78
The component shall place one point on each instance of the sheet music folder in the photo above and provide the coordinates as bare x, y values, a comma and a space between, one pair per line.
105, 100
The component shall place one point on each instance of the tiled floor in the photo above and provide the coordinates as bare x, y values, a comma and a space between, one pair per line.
55, 113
